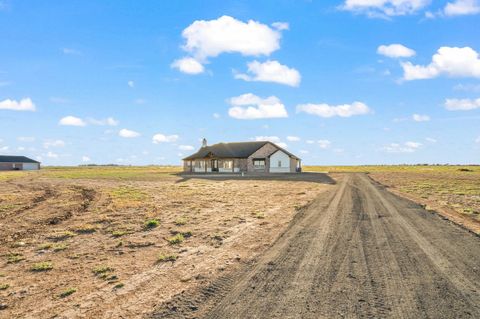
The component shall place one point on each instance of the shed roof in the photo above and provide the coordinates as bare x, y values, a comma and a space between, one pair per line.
16, 159
232, 150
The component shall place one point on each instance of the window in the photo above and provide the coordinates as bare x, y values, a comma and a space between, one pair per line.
259, 163
200, 164
227, 164
279, 163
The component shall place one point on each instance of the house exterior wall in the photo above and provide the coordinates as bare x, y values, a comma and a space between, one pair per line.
263, 153
19, 166
280, 162
31, 166
293, 165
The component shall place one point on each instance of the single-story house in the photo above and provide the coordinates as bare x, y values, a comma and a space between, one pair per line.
264, 157
9, 163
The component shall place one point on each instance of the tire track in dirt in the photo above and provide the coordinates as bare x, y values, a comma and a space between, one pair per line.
360, 252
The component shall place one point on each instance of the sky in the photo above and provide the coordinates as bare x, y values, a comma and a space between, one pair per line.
340, 82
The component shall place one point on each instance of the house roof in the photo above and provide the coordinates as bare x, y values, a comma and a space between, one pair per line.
16, 159
232, 150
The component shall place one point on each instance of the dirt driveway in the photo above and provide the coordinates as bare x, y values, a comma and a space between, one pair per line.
357, 252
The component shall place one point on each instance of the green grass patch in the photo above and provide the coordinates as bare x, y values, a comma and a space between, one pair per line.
4, 286
181, 221
86, 229
119, 233
151, 223
62, 235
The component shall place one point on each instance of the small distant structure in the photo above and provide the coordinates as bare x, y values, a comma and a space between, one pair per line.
18, 163
255, 157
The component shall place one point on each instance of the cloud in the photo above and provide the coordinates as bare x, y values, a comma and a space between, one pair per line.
384, 8
462, 7
271, 71
282, 144
324, 143
420, 118
250, 107
274, 139
70, 51
72, 121
131, 84
27, 139
407, 147
450, 61
85, 159
293, 138
325, 110
395, 51
4, 148
431, 140
186, 147
462, 104
24, 104
128, 133
109, 121
51, 155
281, 26
205, 39
53, 143
161, 138
188, 65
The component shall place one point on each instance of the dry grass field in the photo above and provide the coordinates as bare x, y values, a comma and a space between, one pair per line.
115, 241
453, 191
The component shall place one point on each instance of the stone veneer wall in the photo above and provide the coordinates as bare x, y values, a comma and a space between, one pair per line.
265, 151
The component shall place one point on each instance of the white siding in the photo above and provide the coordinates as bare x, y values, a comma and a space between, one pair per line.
228, 170
30, 166
279, 162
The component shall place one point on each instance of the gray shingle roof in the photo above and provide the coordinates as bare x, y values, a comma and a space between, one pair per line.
16, 159
231, 150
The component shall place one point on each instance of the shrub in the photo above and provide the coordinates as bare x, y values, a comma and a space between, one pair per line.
86, 229
102, 270
42, 266
180, 221
14, 258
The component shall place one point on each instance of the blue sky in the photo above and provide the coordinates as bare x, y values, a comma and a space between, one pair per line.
336, 82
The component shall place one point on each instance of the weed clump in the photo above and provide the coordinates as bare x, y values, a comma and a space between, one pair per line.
59, 236
100, 270
151, 223
162, 258
86, 229
177, 239
4, 286
42, 266
68, 292
14, 258
181, 221
119, 233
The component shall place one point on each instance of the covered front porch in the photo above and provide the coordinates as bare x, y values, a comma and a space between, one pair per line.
214, 165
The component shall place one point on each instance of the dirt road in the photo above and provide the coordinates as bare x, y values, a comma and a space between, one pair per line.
357, 252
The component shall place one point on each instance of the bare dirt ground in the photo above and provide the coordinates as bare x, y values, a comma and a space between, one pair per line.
357, 251
114, 243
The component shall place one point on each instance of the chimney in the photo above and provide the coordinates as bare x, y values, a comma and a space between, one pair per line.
204, 142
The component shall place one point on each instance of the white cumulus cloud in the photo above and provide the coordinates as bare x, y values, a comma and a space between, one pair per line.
325, 110
274, 139
383, 8
162, 138
450, 61
72, 121
462, 7
128, 133
293, 138
250, 107
270, 71
188, 65
462, 104
420, 118
85, 159
210, 38
407, 147
395, 51
25, 104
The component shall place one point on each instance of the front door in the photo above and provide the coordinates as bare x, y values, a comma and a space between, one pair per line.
214, 165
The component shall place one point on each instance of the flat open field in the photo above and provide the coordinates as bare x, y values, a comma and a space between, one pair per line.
112, 242
453, 191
